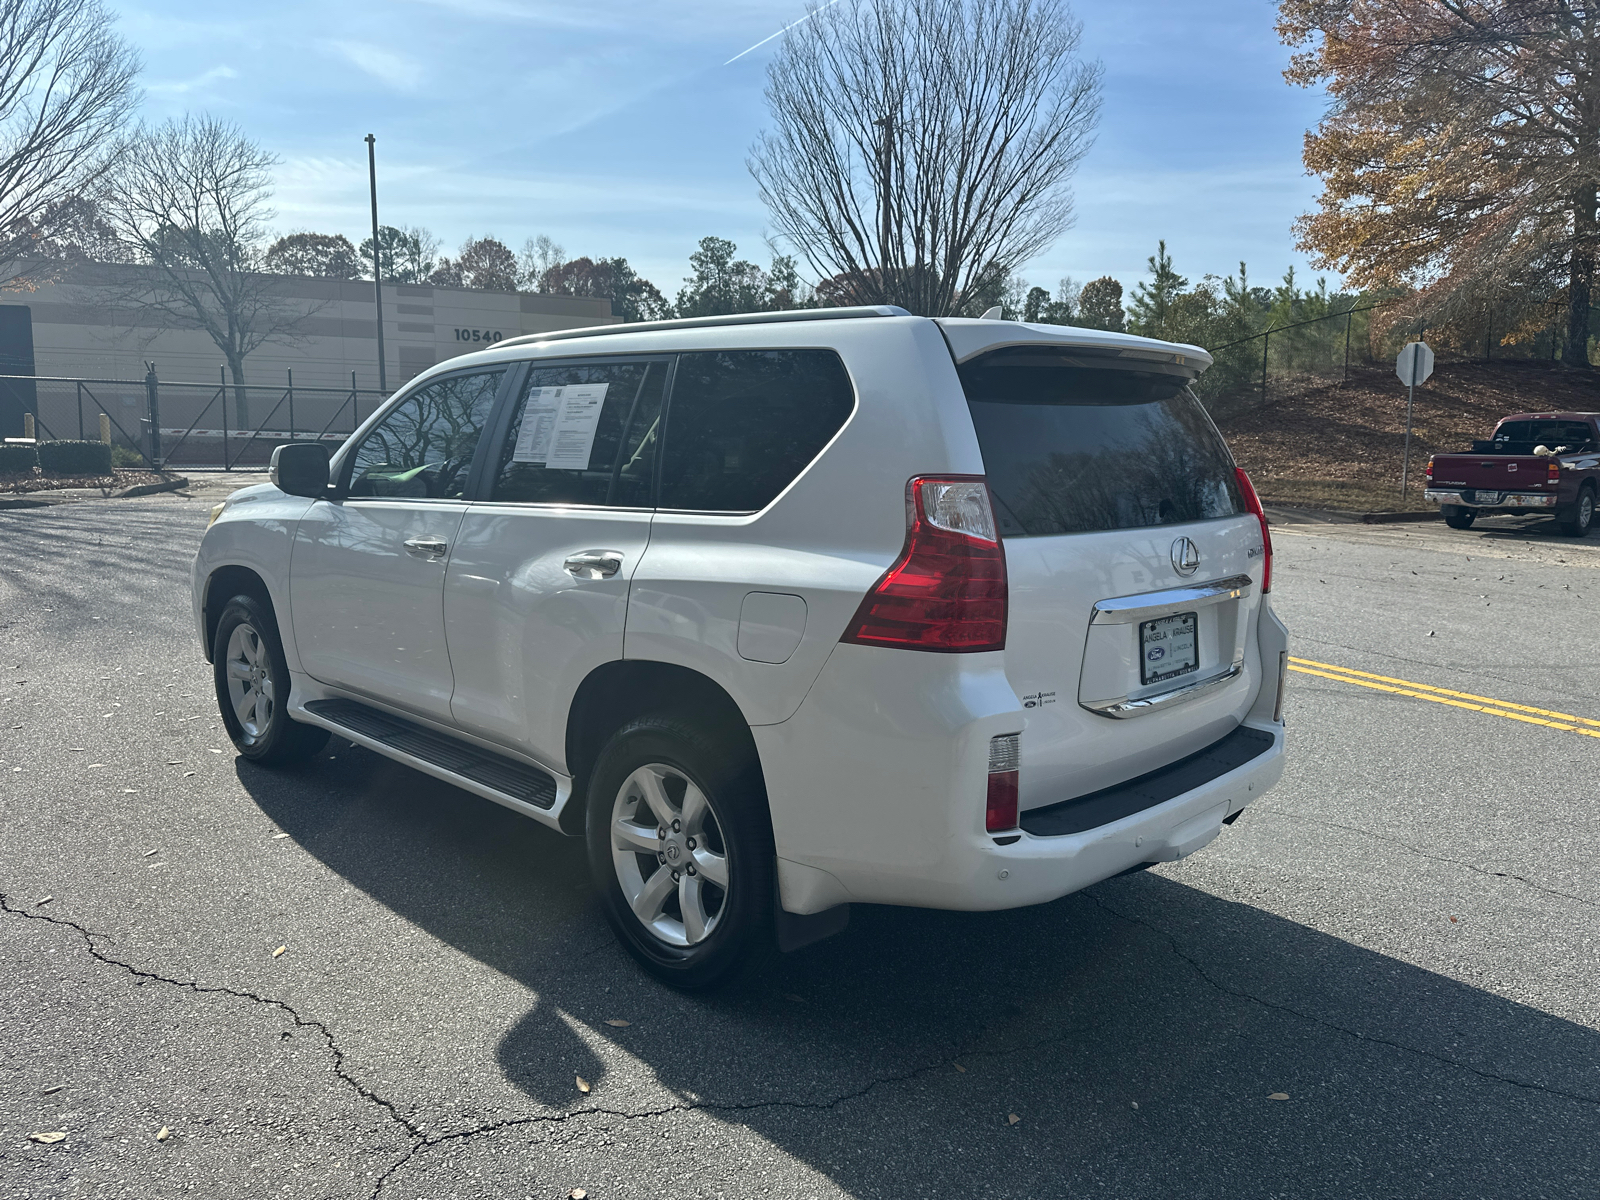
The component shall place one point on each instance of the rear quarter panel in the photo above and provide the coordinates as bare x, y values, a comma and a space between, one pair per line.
827, 538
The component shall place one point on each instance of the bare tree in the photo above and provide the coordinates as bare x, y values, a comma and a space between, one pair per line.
190, 200
66, 90
922, 149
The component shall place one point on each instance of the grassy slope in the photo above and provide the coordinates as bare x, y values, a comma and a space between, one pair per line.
1339, 445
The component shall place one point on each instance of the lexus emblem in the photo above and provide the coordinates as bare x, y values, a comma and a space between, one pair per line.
1185, 556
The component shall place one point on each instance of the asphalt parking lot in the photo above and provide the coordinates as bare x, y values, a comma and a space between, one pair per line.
1401, 940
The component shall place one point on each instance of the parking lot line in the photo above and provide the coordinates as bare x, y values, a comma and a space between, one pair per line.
1586, 726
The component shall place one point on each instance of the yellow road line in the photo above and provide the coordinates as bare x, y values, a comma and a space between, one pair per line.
1428, 687
1422, 691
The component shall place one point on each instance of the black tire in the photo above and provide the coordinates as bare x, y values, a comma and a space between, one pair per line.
734, 919
268, 738
1577, 520
1458, 517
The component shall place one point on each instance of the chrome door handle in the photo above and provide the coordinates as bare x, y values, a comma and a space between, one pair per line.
427, 547
594, 564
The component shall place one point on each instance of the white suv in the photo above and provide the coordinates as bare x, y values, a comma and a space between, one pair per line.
781, 612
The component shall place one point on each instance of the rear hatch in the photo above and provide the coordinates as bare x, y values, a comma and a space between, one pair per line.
1134, 564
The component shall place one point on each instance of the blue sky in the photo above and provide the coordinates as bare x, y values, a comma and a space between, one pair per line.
619, 127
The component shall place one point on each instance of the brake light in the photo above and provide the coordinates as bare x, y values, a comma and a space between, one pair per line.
1553, 471
946, 592
1000, 811
1252, 503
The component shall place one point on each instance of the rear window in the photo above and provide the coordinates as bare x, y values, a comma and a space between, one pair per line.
1071, 446
741, 424
1520, 437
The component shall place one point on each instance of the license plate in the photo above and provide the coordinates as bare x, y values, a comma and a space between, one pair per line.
1482, 497
1168, 647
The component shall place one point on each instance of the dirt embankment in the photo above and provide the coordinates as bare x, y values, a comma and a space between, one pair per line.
1339, 444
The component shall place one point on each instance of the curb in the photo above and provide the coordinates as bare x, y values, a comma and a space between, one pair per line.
1388, 518
150, 489
26, 501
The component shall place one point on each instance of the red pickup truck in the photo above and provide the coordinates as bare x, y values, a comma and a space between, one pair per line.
1546, 462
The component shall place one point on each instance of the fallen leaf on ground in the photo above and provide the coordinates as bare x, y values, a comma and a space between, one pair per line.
1278, 1096
163, 1134
71, 749
1453, 921
129, 791
959, 1067
792, 997
583, 1085
175, 762
216, 751
46, 900
186, 774
618, 1023
276, 836
577, 1194
148, 853
47, 1139
279, 951
1136, 1104
1012, 1118
52, 1089
92, 766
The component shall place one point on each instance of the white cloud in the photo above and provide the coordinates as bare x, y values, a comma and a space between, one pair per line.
387, 66
181, 86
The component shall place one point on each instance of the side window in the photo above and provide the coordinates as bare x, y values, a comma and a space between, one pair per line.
743, 423
423, 449
584, 434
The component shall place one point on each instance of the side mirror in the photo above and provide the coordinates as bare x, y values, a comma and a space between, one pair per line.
301, 469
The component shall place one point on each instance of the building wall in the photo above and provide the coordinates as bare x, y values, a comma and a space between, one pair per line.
89, 324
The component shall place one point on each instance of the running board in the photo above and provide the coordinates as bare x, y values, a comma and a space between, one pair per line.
494, 776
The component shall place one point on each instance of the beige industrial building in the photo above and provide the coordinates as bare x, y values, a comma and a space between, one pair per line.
88, 323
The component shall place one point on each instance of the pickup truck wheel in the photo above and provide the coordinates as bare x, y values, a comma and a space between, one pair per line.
252, 678
680, 846
1576, 520
1458, 517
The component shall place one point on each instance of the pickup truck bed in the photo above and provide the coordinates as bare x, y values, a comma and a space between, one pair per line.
1539, 462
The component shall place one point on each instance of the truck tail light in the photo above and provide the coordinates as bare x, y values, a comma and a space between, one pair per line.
1252, 503
1000, 811
947, 591
1553, 471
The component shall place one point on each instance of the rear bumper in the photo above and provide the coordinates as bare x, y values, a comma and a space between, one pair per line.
1510, 500
876, 785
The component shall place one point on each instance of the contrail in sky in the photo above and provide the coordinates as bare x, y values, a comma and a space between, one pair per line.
780, 32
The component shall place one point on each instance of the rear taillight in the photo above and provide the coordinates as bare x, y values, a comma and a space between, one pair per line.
1000, 811
1252, 503
947, 590
1553, 471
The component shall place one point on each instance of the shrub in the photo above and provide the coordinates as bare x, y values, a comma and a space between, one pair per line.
75, 458
17, 460
125, 456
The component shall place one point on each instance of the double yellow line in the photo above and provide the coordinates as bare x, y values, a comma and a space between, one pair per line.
1422, 691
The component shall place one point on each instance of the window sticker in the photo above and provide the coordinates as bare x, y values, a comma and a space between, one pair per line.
558, 426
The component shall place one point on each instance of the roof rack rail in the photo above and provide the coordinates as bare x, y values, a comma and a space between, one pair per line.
762, 318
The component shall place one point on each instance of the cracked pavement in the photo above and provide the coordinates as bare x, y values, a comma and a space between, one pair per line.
446, 978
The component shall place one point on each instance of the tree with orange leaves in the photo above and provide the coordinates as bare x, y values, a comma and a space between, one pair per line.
1460, 153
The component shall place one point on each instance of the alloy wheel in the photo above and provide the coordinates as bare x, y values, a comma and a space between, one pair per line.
250, 684
670, 858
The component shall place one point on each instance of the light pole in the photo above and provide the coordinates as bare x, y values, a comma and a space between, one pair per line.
377, 256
